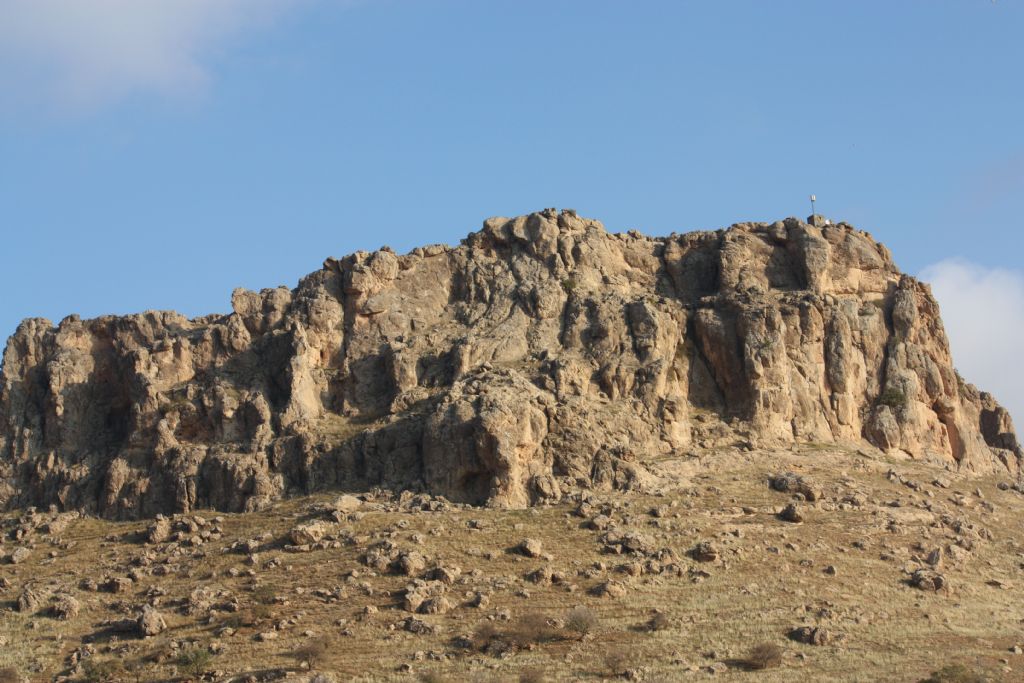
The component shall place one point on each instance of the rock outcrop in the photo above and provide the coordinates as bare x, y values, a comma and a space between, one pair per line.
541, 354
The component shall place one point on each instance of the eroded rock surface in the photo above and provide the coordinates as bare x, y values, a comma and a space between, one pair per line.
541, 354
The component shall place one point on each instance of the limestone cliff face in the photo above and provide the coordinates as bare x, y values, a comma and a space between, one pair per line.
543, 353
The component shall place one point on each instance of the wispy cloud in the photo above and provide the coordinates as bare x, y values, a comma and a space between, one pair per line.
983, 310
82, 54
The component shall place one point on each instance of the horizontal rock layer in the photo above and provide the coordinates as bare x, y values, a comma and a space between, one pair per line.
542, 353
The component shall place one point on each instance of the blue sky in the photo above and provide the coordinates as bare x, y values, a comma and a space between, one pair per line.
158, 154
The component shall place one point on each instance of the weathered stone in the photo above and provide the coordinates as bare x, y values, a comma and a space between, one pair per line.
791, 513
609, 589
306, 534
151, 622
550, 351
20, 555
705, 551
411, 563
812, 635
31, 599
65, 607
530, 547
159, 531
927, 579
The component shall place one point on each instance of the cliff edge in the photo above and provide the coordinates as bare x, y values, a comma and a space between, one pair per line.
541, 355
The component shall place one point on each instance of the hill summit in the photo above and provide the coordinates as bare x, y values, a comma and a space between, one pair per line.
542, 355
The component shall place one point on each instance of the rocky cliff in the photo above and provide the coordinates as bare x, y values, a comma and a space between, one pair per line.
540, 355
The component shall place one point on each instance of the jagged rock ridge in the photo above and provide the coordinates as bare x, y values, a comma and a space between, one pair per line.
541, 354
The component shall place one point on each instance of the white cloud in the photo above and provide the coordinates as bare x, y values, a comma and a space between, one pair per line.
983, 310
81, 54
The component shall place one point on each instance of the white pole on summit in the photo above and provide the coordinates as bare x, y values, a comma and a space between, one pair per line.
813, 198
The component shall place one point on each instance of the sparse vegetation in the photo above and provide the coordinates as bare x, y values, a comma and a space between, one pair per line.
763, 656
432, 677
659, 622
615, 661
195, 660
569, 285
955, 673
524, 639
894, 398
312, 652
102, 670
532, 676
581, 621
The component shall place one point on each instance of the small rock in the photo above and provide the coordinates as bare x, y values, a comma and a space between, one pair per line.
530, 547
150, 622
791, 513
65, 607
704, 551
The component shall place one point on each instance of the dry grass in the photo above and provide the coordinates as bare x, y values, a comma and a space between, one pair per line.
768, 580
763, 656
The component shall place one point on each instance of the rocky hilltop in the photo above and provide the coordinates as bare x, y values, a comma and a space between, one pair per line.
543, 354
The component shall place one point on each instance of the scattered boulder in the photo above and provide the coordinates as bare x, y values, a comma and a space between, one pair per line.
812, 635
31, 599
150, 622
159, 531
609, 589
791, 513
308, 534
530, 548
65, 607
705, 551
418, 626
117, 584
19, 555
928, 580
411, 563
436, 605
789, 482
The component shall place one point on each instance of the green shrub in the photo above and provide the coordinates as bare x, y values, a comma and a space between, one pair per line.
97, 671
894, 398
194, 661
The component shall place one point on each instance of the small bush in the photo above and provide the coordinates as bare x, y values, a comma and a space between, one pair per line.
659, 622
532, 676
485, 634
616, 662
195, 661
264, 595
955, 673
313, 652
764, 656
894, 398
569, 285
532, 629
259, 613
432, 677
580, 621
97, 671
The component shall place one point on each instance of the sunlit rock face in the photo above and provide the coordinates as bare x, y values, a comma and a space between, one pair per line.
541, 355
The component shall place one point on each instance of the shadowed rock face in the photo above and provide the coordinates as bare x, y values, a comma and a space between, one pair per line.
542, 354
